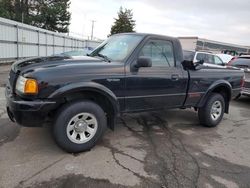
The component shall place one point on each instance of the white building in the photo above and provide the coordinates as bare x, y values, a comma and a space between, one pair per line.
196, 43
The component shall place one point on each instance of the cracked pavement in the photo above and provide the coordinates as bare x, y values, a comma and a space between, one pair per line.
157, 149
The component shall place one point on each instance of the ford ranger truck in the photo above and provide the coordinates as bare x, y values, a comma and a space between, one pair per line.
127, 73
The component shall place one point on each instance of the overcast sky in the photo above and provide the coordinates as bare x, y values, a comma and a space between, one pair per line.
221, 20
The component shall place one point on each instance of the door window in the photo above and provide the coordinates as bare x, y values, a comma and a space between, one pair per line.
209, 59
217, 61
160, 52
200, 56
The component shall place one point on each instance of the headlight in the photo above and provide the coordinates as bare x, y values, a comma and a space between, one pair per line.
26, 85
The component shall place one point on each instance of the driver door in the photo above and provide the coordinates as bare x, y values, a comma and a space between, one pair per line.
159, 86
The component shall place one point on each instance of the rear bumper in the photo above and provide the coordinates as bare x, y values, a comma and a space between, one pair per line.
28, 113
246, 92
246, 89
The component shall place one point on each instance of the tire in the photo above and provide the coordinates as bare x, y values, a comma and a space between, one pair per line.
211, 114
79, 125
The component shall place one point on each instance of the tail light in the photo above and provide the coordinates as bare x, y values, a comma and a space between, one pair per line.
231, 61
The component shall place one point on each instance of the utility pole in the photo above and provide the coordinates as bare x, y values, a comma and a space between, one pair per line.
22, 17
92, 30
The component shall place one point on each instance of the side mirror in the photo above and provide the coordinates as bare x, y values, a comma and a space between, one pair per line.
143, 62
200, 62
188, 65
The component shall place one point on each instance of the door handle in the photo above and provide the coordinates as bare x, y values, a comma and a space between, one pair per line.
174, 77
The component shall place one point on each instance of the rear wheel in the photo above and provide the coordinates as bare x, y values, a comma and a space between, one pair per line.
79, 125
212, 112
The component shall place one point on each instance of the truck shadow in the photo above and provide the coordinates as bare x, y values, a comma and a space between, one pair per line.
175, 161
180, 162
243, 101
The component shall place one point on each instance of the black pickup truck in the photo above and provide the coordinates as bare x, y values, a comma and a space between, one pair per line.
126, 73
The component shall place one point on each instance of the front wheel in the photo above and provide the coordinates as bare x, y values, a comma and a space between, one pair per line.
212, 112
79, 125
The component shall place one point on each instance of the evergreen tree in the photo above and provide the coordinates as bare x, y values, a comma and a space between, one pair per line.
124, 22
47, 14
52, 15
6, 9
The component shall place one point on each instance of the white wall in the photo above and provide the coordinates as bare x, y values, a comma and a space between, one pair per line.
188, 43
19, 40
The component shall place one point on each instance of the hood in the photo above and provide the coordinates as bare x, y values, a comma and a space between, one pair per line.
50, 61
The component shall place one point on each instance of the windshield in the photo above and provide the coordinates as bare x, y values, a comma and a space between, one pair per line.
117, 47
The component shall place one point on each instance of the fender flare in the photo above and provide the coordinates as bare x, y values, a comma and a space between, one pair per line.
87, 86
217, 84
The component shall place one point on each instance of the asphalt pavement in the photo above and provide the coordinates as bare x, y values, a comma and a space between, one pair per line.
158, 149
4, 72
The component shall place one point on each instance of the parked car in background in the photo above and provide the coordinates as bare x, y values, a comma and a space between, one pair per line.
243, 62
244, 57
209, 59
225, 58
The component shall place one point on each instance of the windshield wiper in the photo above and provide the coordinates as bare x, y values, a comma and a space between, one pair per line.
104, 57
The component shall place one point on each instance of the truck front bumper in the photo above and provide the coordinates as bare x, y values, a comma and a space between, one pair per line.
28, 113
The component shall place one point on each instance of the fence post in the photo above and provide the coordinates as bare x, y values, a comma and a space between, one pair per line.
38, 42
17, 42
53, 44
71, 43
63, 44
46, 41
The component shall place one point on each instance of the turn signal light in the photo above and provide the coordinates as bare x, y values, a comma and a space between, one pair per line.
31, 86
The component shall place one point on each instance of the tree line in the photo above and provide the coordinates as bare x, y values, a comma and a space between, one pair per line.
54, 15
47, 14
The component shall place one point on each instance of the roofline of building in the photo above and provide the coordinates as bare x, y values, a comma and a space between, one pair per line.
213, 41
223, 43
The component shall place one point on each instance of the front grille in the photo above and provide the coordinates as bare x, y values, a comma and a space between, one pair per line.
12, 80
12, 77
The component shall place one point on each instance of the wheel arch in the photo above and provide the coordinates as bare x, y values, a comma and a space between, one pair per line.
222, 87
94, 92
